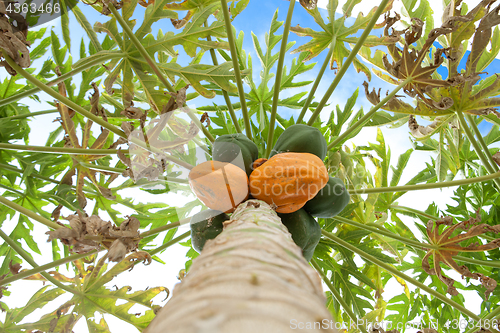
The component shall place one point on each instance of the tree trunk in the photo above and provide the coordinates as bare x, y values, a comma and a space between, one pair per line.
250, 278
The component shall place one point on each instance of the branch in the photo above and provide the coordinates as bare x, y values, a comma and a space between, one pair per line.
27, 257
42, 86
236, 66
310, 97
279, 74
477, 148
28, 213
94, 62
47, 266
348, 61
61, 150
400, 274
224, 93
367, 116
425, 186
170, 243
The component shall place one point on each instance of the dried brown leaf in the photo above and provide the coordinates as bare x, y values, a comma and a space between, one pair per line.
132, 112
179, 24
56, 212
127, 127
496, 157
117, 251
450, 247
205, 118
177, 100
309, 4
13, 33
14, 268
125, 160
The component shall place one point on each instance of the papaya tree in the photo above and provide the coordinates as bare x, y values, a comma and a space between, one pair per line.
269, 173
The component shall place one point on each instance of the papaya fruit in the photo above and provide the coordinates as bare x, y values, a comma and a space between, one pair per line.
219, 185
305, 230
228, 147
330, 200
287, 181
206, 225
300, 138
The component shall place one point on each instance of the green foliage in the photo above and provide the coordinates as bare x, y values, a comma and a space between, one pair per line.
110, 77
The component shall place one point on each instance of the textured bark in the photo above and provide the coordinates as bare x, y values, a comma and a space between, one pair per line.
250, 278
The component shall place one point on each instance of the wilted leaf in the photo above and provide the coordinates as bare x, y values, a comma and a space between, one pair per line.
450, 247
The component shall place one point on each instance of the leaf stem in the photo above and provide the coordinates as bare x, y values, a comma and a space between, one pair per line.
310, 97
224, 93
47, 266
27, 115
348, 61
163, 228
425, 186
367, 116
414, 211
489, 263
492, 315
201, 144
140, 47
336, 294
27, 257
94, 62
61, 150
482, 143
400, 274
476, 146
101, 167
170, 243
279, 74
28, 213
387, 233
236, 67
33, 174
42, 86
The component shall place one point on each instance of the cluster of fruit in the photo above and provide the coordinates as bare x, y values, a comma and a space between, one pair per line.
294, 181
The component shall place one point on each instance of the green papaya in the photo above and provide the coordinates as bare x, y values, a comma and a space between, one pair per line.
300, 138
330, 200
206, 225
226, 148
305, 231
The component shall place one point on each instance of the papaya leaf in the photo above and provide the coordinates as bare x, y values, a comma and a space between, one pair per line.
37, 301
154, 12
449, 246
350, 292
398, 170
335, 34
192, 36
193, 74
381, 118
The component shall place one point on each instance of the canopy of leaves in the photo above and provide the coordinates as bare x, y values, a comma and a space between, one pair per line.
124, 131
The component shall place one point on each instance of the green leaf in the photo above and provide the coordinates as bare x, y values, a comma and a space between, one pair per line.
335, 34
193, 74
191, 36
441, 160
37, 301
398, 170
84, 23
381, 118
